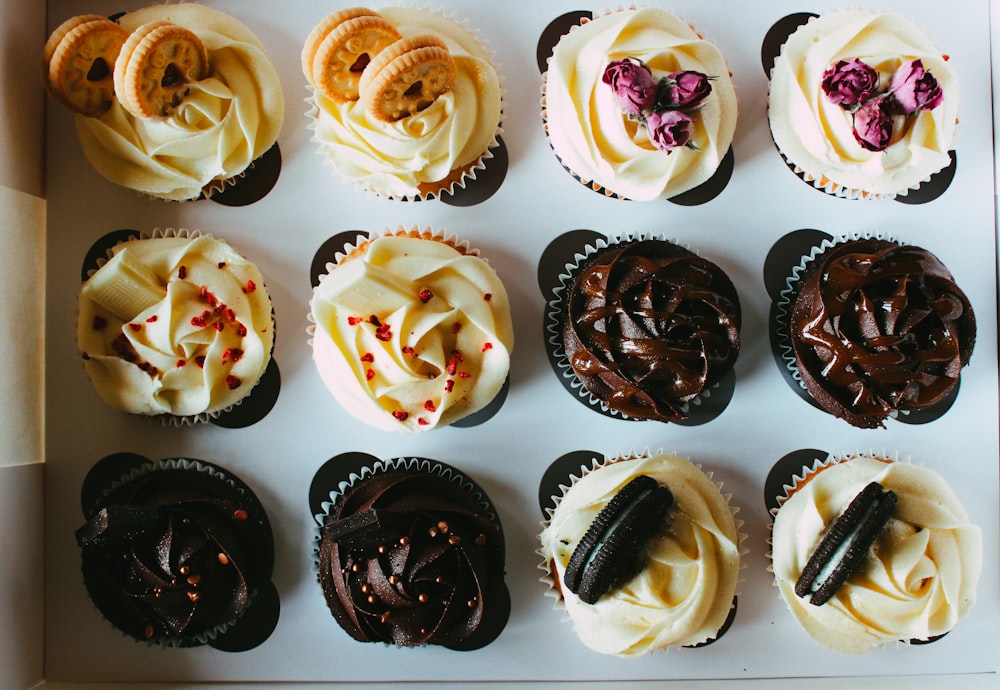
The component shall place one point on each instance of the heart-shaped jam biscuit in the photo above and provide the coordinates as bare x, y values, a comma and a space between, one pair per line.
339, 49
407, 77
78, 63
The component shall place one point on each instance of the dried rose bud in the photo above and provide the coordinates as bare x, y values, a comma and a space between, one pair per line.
913, 88
683, 90
873, 124
850, 83
669, 129
632, 83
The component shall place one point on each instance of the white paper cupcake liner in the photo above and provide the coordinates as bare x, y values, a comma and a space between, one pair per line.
549, 579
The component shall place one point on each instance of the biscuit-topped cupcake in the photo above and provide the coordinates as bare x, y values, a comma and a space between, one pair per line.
636, 102
644, 552
874, 327
407, 102
867, 551
412, 331
177, 325
173, 101
863, 104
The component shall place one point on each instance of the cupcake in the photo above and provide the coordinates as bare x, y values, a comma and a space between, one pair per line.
411, 553
412, 331
175, 553
406, 102
872, 327
172, 101
636, 103
862, 104
176, 325
644, 553
867, 551
647, 327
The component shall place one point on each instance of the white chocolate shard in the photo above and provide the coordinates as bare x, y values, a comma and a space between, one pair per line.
125, 287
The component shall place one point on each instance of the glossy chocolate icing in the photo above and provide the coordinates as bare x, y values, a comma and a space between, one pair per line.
175, 554
877, 327
412, 558
650, 325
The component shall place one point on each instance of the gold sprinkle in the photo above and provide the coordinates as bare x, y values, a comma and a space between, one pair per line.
443, 526
481, 539
454, 539
185, 570
355, 568
240, 514
438, 579
223, 558
472, 603
404, 541
433, 532
393, 580
384, 617
372, 599
381, 549
422, 598
365, 588
148, 632
193, 596
194, 580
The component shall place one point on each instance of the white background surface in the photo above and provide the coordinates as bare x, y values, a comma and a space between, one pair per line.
540, 421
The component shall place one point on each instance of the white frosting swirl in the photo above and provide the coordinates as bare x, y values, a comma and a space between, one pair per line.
404, 158
684, 593
412, 334
224, 123
600, 143
816, 134
175, 325
919, 579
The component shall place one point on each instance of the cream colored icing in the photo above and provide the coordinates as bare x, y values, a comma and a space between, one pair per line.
920, 577
139, 298
441, 358
396, 158
224, 123
816, 134
684, 593
597, 141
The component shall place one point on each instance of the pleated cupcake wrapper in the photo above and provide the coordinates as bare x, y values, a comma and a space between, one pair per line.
823, 183
257, 514
554, 319
786, 298
166, 419
549, 578
402, 464
543, 103
800, 480
466, 174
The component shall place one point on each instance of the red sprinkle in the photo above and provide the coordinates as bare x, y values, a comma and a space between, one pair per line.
407, 350
456, 328
135, 327
429, 406
99, 323
219, 326
181, 363
422, 422
464, 375
487, 346
354, 320
221, 264
241, 330
448, 385
400, 415
232, 354
233, 382
457, 355
383, 333
370, 374
368, 357
230, 315
85, 356
182, 272
251, 286
373, 320
152, 319
200, 361
452, 367
487, 297
426, 295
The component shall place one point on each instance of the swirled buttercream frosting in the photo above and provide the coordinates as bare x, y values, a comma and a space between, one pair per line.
684, 593
412, 333
412, 558
816, 133
224, 123
878, 327
599, 142
175, 554
919, 578
429, 150
649, 326
175, 325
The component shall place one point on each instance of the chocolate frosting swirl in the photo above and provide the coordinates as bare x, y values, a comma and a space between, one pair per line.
877, 327
175, 554
428, 568
649, 326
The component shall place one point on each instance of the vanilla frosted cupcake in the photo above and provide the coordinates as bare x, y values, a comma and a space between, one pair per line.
863, 104
177, 324
406, 102
913, 564
644, 553
187, 99
412, 331
637, 103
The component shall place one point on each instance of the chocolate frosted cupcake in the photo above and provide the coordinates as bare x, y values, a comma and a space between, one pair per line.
175, 552
874, 327
648, 327
412, 553
867, 551
644, 553
176, 325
